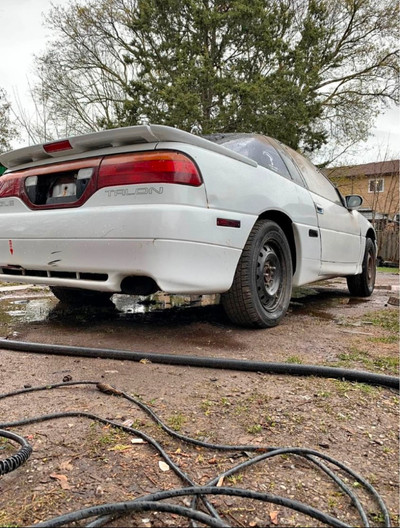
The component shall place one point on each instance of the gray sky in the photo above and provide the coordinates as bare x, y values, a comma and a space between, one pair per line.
22, 35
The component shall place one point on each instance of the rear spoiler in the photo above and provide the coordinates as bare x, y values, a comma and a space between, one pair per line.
92, 144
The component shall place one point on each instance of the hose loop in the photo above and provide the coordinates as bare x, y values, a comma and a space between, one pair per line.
15, 461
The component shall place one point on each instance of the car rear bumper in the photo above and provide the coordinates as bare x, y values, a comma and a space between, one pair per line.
101, 264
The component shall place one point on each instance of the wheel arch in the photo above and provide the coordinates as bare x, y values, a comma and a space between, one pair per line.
286, 224
371, 234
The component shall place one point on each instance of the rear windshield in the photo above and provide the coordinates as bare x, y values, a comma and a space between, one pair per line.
257, 148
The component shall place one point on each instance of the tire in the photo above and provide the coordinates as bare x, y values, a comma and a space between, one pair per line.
78, 297
362, 285
260, 293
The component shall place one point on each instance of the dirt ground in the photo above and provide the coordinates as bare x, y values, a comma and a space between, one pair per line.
78, 462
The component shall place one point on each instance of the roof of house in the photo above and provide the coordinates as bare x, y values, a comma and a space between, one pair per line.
379, 168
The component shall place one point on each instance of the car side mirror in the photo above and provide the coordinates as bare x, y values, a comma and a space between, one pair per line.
353, 201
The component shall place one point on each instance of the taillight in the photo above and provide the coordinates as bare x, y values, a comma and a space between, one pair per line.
9, 186
148, 167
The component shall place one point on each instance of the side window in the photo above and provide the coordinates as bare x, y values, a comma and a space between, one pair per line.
287, 158
316, 181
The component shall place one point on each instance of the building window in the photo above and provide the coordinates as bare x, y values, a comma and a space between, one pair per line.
376, 186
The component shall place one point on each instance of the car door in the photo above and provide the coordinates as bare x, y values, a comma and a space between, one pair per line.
339, 228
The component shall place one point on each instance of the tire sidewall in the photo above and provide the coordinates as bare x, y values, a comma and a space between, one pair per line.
269, 231
370, 249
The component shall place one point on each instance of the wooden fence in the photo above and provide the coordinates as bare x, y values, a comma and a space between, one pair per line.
388, 244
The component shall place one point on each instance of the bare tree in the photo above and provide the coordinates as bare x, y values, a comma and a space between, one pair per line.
301, 70
7, 128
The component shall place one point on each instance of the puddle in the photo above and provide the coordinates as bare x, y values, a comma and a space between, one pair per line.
159, 308
27, 310
154, 308
321, 303
160, 301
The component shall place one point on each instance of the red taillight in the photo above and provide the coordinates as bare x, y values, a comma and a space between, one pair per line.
9, 186
148, 167
57, 146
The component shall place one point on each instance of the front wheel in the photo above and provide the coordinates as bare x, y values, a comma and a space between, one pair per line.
362, 285
262, 286
79, 297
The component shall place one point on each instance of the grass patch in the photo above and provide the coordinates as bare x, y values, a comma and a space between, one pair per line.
294, 359
387, 340
254, 429
343, 387
6, 446
354, 355
385, 269
176, 421
387, 319
389, 363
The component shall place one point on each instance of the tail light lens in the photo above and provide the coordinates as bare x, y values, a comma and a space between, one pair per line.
70, 184
10, 186
148, 167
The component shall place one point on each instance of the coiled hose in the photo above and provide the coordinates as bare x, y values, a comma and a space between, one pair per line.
106, 512
15, 461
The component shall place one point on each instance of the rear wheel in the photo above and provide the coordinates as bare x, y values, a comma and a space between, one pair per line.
262, 286
362, 285
78, 297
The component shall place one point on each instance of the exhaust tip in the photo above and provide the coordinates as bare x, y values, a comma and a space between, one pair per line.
139, 285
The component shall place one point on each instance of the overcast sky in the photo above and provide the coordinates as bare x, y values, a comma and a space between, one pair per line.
23, 34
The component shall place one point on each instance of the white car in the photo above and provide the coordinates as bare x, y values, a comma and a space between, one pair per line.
146, 208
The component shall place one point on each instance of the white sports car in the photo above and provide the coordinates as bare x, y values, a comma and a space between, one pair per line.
146, 208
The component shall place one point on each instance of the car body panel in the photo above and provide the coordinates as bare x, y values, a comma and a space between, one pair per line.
177, 266
340, 233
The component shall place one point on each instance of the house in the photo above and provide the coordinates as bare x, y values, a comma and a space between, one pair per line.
377, 183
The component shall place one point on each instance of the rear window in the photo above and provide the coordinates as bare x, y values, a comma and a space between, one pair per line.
257, 148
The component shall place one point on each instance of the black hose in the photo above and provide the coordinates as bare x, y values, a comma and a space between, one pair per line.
146, 503
15, 461
131, 506
143, 504
207, 362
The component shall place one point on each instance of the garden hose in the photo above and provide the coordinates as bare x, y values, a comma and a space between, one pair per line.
207, 362
14, 461
105, 512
